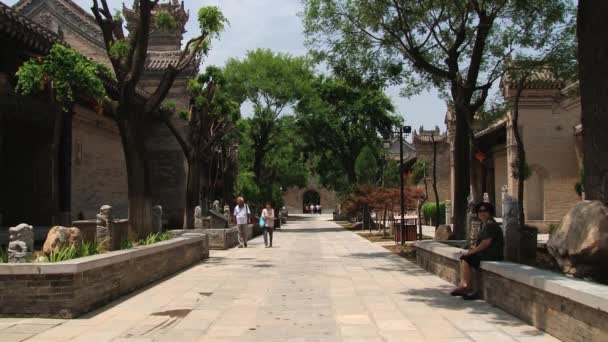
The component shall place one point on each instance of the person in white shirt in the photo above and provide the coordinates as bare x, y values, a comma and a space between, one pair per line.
268, 215
318, 209
241, 216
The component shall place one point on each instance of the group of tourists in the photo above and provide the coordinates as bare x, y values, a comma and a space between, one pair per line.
488, 247
242, 216
312, 209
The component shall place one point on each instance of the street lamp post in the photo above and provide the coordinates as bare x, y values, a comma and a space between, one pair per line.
403, 131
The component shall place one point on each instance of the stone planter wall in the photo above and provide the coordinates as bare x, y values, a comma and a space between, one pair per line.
71, 288
570, 309
219, 239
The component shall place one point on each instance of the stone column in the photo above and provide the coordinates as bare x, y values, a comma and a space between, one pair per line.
21, 244
448, 212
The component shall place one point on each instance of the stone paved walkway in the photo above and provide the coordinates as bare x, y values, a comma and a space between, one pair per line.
319, 283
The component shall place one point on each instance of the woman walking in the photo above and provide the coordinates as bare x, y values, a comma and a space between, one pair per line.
268, 215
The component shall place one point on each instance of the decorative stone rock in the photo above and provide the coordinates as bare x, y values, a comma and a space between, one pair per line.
157, 219
60, 237
21, 243
104, 227
198, 217
580, 244
443, 232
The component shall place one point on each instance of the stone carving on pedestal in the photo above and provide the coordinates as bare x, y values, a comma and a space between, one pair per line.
510, 226
474, 225
216, 206
448, 212
157, 219
227, 211
104, 227
21, 244
198, 217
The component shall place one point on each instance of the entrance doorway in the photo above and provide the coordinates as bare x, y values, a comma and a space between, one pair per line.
310, 198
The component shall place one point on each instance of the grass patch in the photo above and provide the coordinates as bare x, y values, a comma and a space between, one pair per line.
406, 251
376, 237
346, 225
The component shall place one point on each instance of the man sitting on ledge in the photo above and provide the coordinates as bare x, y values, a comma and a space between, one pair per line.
489, 247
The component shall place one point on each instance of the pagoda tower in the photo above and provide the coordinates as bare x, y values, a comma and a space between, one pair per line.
165, 48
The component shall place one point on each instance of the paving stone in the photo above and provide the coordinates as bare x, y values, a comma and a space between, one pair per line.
320, 283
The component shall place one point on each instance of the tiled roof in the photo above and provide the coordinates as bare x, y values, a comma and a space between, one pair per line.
496, 126
84, 18
427, 137
539, 79
160, 60
19, 28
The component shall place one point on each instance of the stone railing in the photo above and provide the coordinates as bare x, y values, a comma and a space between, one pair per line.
567, 308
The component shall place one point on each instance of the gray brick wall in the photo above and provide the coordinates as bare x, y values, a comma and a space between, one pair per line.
72, 294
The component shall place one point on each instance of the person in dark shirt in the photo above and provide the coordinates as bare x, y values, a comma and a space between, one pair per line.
489, 247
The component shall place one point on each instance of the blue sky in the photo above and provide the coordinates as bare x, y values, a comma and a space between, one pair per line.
275, 24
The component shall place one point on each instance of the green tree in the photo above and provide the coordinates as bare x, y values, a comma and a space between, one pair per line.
391, 174
284, 165
130, 109
366, 167
339, 119
211, 120
456, 46
592, 57
273, 83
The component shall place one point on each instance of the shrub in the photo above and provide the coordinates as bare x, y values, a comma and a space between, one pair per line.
3, 255
62, 254
154, 238
430, 209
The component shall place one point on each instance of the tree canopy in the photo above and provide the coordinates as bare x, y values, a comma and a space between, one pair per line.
459, 47
67, 72
341, 117
273, 83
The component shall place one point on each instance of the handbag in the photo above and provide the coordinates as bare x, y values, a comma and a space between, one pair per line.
262, 222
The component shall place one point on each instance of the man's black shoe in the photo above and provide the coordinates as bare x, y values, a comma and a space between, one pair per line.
471, 296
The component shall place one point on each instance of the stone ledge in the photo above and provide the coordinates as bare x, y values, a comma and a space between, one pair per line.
99, 260
440, 249
570, 309
580, 291
583, 292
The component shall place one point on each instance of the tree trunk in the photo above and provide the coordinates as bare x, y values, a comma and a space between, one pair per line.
384, 220
192, 191
140, 203
461, 173
437, 213
521, 154
593, 68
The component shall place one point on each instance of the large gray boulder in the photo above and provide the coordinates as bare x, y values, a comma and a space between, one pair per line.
580, 244
443, 233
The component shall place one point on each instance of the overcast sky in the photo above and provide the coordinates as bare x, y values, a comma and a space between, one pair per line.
275, 24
